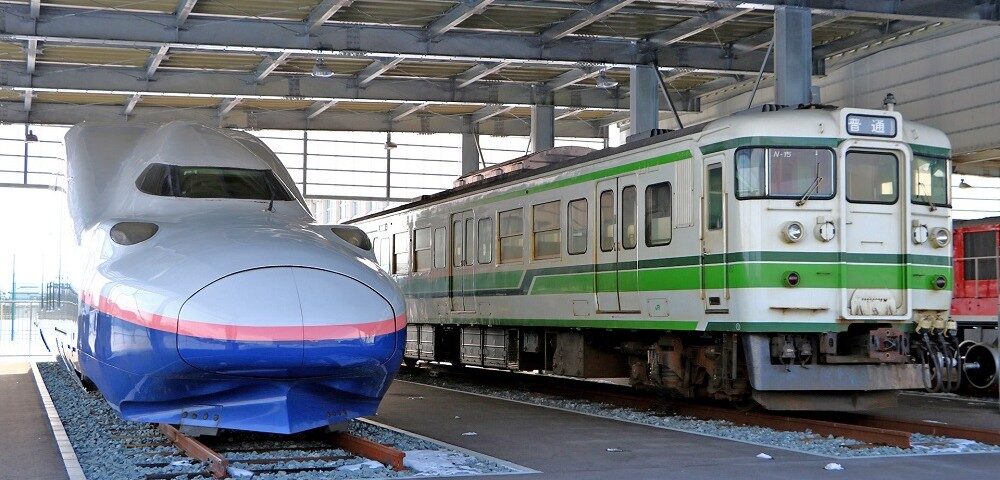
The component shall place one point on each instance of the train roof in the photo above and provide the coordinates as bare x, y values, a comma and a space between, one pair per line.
976, 222
792, 122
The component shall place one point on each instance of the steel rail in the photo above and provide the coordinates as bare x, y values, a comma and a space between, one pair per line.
944, 430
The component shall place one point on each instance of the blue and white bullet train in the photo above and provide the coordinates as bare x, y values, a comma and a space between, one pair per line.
209, 298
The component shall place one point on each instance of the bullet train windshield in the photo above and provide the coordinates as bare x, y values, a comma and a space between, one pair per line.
211, 182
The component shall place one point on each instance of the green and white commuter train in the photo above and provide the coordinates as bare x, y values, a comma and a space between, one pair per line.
798, 257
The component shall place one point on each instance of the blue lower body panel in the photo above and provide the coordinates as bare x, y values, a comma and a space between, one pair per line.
139, 371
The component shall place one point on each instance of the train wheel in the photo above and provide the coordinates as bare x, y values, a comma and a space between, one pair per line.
410, 362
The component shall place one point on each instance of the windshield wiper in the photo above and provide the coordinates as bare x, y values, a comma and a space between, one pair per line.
926, 197
812, 188
270, 191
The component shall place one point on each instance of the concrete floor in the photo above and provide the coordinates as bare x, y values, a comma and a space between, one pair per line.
565, 445
28, 450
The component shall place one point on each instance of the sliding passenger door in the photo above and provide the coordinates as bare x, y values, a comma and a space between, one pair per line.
462, 280
617, 275
714, 266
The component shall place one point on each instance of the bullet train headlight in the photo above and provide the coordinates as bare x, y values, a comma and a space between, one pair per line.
353, 235
131, 233
940, 237
792, 232
920, 234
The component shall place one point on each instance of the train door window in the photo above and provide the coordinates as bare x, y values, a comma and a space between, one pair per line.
576, 222
511, 234
422, 249
485, 250
872, 177
715, 198
401, 253
980, 250
457, 240
629, 215
659, 222
545, 227
440, 247
607, 220
469, 242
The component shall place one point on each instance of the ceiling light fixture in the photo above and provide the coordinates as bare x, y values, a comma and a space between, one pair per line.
964, 184
30, 137
321, 70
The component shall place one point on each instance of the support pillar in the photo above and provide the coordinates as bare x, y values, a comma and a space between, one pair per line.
470, 153
644, 100
793, 55
543, 127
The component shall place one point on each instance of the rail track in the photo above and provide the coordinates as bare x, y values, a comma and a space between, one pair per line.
869, 429
260, 453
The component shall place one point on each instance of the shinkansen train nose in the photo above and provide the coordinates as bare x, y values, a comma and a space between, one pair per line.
286, 321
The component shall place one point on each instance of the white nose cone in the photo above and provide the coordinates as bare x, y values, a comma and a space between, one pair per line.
285, 321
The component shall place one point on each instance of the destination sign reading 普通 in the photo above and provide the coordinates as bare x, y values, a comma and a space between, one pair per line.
871, 125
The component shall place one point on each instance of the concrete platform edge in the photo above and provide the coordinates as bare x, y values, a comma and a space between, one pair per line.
73, 469
693, 432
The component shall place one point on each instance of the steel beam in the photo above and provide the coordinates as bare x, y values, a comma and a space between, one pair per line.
470, 153
763, 38
322, 12
268, 65
562, 113
62, 114
571, 77
375, 69
129, 30
543, 127
319, 107
456, 15
793, 55
863, 38
589, 14
406, 110
29, 96
184, 8
919, 10
644, 99
117, 81
158, 55
695, 25
30, 54
35, 8
477, 72
227, 105
489, 112
130, 104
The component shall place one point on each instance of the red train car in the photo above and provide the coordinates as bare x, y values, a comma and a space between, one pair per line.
977, 249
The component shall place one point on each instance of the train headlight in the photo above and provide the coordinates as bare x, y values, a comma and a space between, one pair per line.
792, 231
940, 237
131, 233
353, 235
826, 231
920, 234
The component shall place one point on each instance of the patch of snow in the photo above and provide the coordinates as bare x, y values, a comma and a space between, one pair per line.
935, 421
764, 456
181, 463
354, 467
430, 463
615, 450
239, 472
470, 434
833, 466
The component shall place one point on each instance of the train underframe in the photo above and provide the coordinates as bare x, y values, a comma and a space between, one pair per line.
858, 369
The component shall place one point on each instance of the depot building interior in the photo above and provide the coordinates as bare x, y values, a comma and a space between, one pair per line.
402, 119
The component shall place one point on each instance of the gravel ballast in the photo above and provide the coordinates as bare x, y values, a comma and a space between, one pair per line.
110, 448
805, 442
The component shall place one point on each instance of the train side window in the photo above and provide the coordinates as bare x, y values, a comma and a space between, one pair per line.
576, 223
659, 219
629, 220
607, 220
469, 243
715, 199
422, 249
511, 233
485, 249
545, 228
457, 240
980, 255
401, 253
440, 247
